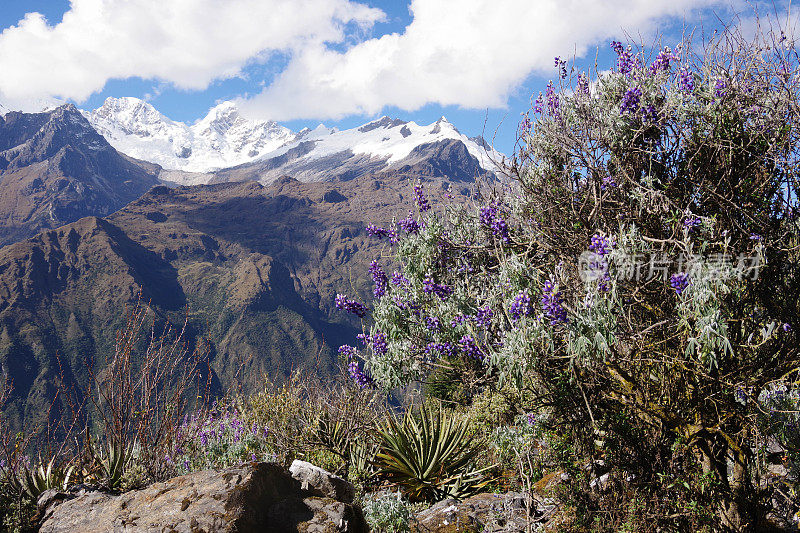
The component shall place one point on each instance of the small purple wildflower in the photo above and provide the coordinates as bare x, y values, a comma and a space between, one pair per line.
538, 104
376, 231
662, 61
470, 348
692, 221
625, 60
420, 199
685, 81
720, 88
787, 327
521, 306
756, 237
483, 316
409, 225
525, 125
553, 101
379, 344
583, 84
630, 100
608, 182
399, 279
552, 303
439, 289
649, 113
351, 306
601, 245
531, 418
561, 65
445, 349
361, 377
380, 278
432, 323
458, 320
679, 282
490, 218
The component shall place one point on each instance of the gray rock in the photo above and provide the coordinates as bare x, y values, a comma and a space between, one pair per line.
484, 513
260, 497
319, 482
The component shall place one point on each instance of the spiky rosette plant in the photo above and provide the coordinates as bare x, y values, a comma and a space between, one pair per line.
641, 273
430, 456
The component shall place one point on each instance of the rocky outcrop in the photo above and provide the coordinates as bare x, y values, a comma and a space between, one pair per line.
484, 513
262, 497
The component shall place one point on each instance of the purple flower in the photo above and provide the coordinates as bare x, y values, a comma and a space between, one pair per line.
786, 327
521, 306
625, 60
552, 99
439, 289
630, 100
351, 306
583, 84
679, 282
490, 218
538, 104
410, 225
379, 344
420, 199
470, 348
692, 221
432, 323
445, 349
600, 244
483, 317
348, 352
662, 61
531, 418
399, 279
458, 320
720, 88
561, 65
685, 81
380, 233
361, 377
380, 278
649, 113
525, 125
552, 304
755, 237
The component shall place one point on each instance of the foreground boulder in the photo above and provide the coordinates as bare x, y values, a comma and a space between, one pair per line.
261, 497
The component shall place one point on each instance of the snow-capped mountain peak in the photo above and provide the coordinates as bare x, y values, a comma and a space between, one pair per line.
223, 138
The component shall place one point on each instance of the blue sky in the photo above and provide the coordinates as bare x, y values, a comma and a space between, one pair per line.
341, 62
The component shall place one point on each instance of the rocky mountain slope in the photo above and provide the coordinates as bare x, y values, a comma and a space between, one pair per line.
257, 268
55, 168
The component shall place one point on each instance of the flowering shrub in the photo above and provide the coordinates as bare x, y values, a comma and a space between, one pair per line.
659, 367
218, 438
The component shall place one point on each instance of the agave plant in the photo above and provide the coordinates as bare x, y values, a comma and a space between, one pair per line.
113, 460
33, 481
429, 456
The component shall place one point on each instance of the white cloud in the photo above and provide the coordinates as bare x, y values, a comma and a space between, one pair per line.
470, 53
188, 43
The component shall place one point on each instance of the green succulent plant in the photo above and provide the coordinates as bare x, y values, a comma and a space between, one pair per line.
32, 481
113, 459
430, 456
